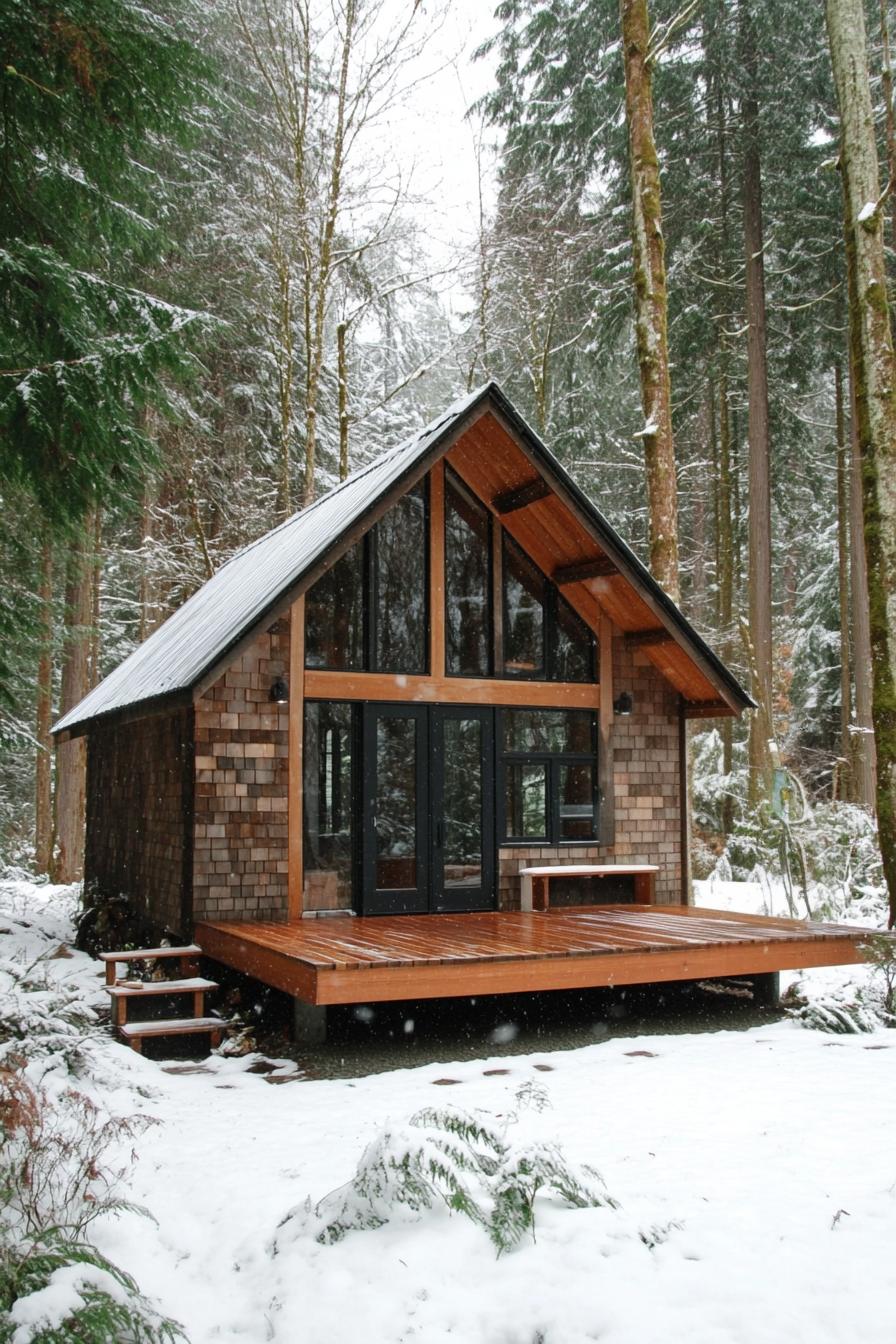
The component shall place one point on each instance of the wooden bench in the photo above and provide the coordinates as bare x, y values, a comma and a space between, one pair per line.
536, 882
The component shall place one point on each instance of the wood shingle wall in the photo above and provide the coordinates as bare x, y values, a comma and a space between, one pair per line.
139, 804
240, 831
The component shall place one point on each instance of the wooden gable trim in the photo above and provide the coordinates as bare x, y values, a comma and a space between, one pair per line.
648, 597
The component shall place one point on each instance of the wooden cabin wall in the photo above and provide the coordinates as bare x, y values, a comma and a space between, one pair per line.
240, 862
646, 789
139, 805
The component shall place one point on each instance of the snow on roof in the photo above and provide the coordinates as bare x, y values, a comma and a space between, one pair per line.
175, 656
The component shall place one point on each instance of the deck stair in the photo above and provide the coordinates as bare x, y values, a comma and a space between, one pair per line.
122, 991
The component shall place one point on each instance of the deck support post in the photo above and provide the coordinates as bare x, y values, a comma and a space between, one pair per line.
766, 989
309, 1023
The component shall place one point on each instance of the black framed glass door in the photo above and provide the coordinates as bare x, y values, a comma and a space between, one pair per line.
462, 808
428, 830
395, 800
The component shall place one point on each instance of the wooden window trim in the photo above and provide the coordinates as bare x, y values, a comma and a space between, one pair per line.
447, 690
295, 861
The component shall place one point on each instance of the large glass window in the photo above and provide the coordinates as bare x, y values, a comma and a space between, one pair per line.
572, 654
369, 611
467, 583
548, 764
399, 576
334, 615
524, 615
328, 804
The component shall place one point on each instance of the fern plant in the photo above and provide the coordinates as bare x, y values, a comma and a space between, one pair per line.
54, 1182
447, 1157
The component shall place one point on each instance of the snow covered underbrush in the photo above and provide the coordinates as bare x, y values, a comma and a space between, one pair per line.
747, 1188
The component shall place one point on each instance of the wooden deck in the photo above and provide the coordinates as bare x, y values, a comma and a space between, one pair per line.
368, 960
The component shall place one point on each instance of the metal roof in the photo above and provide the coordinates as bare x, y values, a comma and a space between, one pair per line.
227, 607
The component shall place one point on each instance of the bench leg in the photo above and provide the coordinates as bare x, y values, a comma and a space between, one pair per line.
645, 888
540, 898
137, 1044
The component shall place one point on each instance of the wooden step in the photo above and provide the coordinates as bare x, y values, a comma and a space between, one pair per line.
151, 953
134, 1032
192, 986
149, 988
187, 955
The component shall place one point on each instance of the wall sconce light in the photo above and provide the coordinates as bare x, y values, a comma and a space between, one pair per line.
279, 692
623, 703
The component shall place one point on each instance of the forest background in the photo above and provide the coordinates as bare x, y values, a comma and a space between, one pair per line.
222, 290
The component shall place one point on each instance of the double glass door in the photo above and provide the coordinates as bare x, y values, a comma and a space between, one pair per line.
428, 834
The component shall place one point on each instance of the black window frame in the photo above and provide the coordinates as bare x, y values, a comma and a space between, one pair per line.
369, 597
552, 761
499, 538
454, 482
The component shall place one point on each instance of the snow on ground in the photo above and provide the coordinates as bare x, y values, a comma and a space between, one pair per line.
764, 1157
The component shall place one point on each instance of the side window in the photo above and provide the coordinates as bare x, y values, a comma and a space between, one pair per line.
548, 760
328, 804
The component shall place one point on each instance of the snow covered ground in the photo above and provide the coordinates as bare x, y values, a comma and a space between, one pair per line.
755, 1173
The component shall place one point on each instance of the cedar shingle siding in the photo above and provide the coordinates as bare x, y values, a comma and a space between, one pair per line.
240, 832
139, 804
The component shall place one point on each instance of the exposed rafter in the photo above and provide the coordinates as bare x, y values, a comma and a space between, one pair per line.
599, 567
648, 639
522, 496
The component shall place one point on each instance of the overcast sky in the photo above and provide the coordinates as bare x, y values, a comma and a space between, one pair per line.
431, 129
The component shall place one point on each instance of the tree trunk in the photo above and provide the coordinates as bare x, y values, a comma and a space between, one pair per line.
759, 477
726, 576
342, 393
846, 789
886, 88
875, 385
862, 755
71, 756
43, 770
650, 298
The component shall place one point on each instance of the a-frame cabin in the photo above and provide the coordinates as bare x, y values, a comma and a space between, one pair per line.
448, 668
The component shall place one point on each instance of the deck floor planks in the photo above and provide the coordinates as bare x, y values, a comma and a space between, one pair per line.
408, 956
